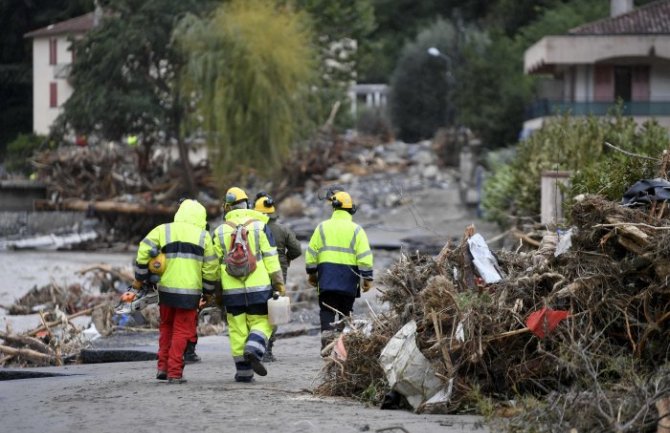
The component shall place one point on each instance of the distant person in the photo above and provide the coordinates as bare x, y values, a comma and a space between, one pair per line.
246, 293
338, 263
288, 249
190, 271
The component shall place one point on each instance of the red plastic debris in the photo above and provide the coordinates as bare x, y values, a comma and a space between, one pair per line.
545, 320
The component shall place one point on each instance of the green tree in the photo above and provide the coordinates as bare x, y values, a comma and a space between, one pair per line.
124, 77
422, 86
249, 68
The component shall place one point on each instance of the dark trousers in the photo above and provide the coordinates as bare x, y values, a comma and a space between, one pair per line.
340, 301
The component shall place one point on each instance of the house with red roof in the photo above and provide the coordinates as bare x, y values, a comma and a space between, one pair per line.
52, 61
625, 57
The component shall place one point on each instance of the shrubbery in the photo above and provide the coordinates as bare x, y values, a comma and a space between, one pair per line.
576, 145
20, 151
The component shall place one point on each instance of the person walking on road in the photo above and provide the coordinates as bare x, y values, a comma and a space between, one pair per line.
190, 271
288, 249
338, 263
247, 286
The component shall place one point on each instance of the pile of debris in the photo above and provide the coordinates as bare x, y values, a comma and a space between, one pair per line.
56, 342
105, 182
59, 340
573, 335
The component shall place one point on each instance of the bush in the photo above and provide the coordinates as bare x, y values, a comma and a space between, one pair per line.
418, 99
20, 151
576, 145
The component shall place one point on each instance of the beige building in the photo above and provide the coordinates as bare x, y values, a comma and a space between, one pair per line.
52, 61
625, 57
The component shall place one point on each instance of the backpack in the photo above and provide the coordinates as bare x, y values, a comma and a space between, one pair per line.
240, 260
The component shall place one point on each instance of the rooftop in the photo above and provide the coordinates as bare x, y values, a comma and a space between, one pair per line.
653, 18
80, 24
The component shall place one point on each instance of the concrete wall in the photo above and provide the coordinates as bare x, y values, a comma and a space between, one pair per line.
23, 224
19, 195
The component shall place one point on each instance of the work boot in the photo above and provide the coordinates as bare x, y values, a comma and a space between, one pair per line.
189, 355
256, 364
161, 375
327, 337
268, 356
244, 379
176, 380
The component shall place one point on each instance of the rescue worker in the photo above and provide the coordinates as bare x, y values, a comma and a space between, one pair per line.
245, 298
190, 271
288, 249
338, 261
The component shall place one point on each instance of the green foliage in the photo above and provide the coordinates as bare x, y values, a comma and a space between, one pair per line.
576, 145
493, 91
339, 27
20, 151
250, 66
421, 85
123, 75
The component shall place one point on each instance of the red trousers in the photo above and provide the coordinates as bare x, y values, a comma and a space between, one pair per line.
177, 327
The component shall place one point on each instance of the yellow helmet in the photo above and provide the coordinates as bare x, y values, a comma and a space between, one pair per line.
235, 195
157, 264
264, 203
342, 200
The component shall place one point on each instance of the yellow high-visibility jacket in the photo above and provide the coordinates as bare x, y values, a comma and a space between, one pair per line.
191, 266
256, 288
340, 254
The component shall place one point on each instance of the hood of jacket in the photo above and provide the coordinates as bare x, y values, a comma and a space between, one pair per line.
192, 212
247, 214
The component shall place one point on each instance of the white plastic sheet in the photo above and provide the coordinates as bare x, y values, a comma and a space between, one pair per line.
486, 264
407, 370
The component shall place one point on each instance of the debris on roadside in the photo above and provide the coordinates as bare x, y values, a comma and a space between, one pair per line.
590, 323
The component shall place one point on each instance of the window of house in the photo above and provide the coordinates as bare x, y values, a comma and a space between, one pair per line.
53, 95
53, 51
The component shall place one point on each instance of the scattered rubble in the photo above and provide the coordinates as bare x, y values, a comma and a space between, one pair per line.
588, 324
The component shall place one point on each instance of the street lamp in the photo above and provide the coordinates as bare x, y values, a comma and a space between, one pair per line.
433, 51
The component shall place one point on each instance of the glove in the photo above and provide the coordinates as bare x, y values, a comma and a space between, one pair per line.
204, 300
277, 279
313, 280
137, 284
128, 297
367, 285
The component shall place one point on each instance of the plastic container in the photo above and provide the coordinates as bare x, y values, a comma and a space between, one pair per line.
279, 310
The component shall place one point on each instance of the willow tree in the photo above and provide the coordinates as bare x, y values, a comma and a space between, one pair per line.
249, 69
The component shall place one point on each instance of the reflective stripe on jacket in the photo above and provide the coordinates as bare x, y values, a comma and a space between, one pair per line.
256, 288
340, 253
191, 265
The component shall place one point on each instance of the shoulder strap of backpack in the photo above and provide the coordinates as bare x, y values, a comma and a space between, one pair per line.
231, 224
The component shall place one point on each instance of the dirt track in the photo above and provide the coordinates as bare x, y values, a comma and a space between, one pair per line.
124, 397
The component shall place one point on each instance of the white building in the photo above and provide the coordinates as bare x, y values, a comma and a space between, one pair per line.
52, 61
623, 57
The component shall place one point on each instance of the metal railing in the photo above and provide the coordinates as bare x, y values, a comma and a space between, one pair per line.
544, 108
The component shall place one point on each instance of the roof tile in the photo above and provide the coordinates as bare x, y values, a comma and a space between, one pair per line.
653, 18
